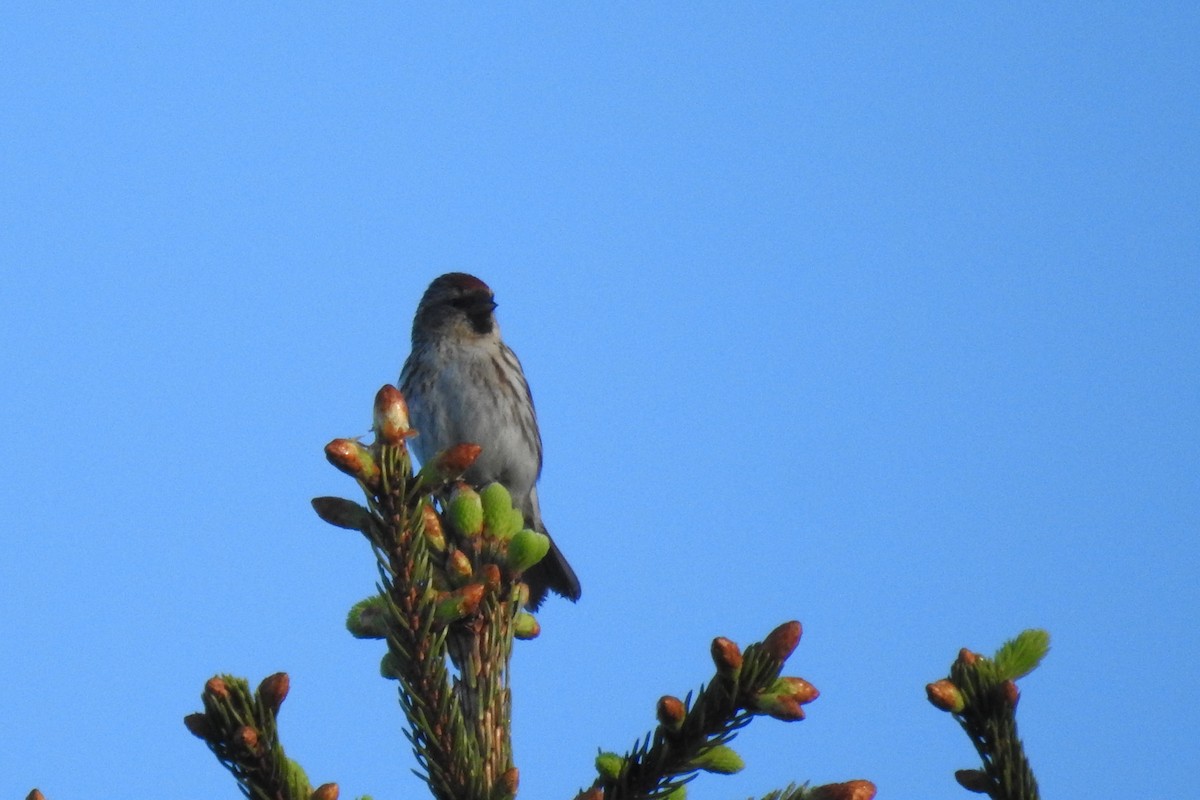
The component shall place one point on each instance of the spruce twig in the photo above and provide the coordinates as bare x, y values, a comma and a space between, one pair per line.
449, 594
693, 735
982, 695
449, 604
239, 727
847, 790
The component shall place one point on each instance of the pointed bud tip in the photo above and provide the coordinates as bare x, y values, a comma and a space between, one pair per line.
456, 460
453, 606
199, 726
491, 577
511, 780
727, 656
670, 711
352, 458
944, 695
473, 595
783, 640
459, 566
247, 737
342, 513
798, 689
973, 780
782, 708
848, 790
274, 690
433, 528
326, 791
391, 416
968, 658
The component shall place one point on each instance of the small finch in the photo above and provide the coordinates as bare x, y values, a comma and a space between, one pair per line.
464, 384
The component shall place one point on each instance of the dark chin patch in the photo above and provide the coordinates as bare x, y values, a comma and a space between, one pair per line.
481, 321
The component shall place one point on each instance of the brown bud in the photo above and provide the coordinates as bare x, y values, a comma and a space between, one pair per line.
391, 416
217, 687
510, 779
945, 695
456, 460
967, 658
460, 603
973, 780
472, 597
727, 656
594, 793
1011, 693
200, 726
352, 458
433, 528
849, 790
273, 690
459, 566
326, 791
491, 577
247, 737
780, 707
342, 513
798, 689
780, 642
35, 795
670, 712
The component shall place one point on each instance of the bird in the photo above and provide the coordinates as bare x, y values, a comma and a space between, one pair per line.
462, 383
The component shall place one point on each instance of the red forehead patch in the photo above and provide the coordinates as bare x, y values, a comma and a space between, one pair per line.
464, 282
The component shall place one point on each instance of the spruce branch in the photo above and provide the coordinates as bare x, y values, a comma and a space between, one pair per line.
449, 599
449, 603
847, 790
693, 734
982, 695
239, 727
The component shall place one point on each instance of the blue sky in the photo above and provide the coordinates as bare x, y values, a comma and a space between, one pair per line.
881, 317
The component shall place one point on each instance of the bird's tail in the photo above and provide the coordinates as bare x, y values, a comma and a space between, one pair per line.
552, 573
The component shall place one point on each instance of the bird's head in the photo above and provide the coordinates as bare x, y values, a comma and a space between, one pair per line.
456, 305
